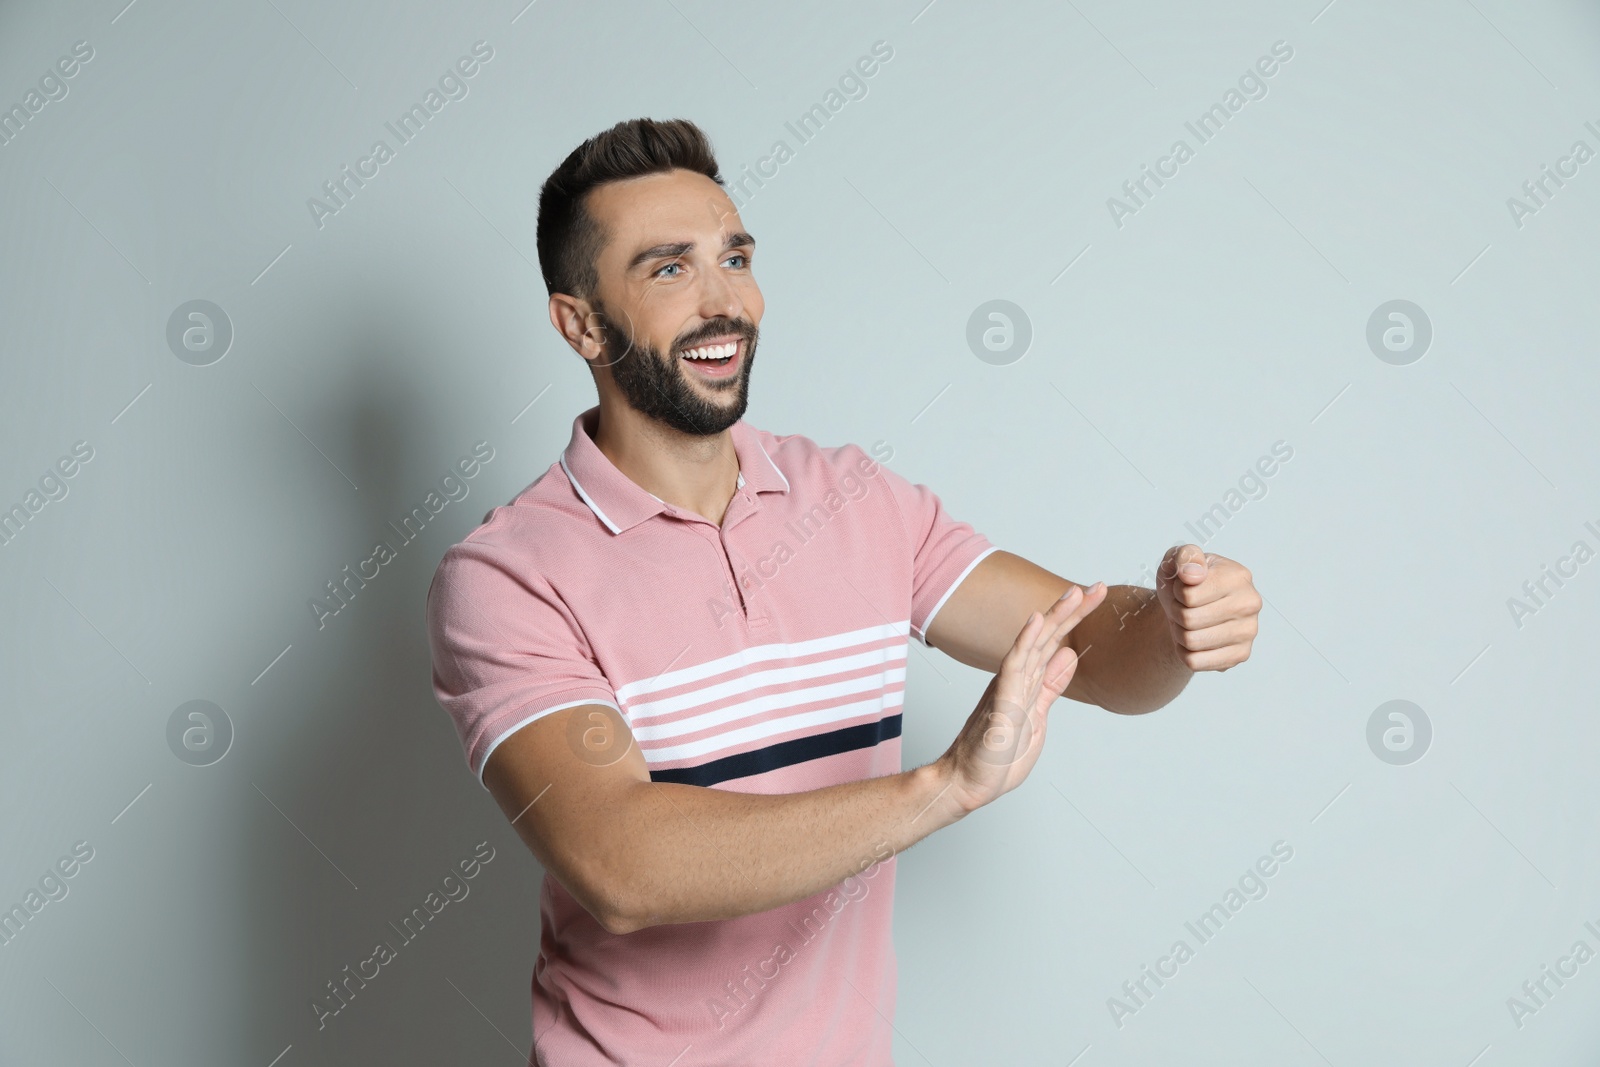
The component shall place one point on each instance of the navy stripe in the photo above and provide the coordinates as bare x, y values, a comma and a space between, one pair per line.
783, 754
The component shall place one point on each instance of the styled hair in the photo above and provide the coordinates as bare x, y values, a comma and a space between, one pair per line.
569, 238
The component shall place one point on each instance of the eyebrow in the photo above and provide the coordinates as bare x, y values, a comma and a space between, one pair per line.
678, 248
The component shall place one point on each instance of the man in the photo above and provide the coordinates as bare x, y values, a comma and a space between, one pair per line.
677, 659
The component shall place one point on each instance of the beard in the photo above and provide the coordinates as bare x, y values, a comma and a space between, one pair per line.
658, 386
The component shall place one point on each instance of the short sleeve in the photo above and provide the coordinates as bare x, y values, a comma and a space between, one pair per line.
506, 650
944, 549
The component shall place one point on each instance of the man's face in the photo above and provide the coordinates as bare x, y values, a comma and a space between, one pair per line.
675, 284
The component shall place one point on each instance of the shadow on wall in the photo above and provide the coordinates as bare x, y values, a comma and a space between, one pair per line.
423, 913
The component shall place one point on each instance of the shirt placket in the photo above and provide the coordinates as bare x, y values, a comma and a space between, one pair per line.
751, 602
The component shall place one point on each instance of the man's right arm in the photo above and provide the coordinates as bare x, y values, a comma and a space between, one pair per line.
637, 853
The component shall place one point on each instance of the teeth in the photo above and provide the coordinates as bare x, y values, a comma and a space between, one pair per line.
712, 351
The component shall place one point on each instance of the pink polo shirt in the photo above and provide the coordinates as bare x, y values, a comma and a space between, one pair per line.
767, 655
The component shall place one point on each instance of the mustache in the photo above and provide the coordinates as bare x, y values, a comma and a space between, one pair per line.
716, 328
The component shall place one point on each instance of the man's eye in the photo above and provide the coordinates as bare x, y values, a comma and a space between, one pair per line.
743, 260
670, 266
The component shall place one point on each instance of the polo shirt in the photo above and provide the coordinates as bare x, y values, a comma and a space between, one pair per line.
764, 655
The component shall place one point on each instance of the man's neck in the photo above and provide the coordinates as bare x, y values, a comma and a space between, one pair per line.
698, 474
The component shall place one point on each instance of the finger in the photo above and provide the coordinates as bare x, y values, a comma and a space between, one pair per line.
1224, 577
1085, 602
1216, 659
1069, 610
1025, 639
1066, 604
1028, 652
1076, 610
1028, 672
1045, 640
1212, 589
1224, 609
1236, 632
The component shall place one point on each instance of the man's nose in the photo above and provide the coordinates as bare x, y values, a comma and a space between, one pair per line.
718, 298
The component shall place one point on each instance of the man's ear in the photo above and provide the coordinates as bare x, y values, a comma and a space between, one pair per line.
576, 320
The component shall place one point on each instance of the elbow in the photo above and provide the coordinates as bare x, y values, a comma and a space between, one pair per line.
1131, 706
1149, 698
613, 915
606, 910
611, 907
1141, 707
616, 920
618, 923
610, 921
1122, 707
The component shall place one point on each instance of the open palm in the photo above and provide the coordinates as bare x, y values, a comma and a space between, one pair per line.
1003, 737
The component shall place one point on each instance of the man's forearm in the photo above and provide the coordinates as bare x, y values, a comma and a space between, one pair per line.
700, 853
1129, 663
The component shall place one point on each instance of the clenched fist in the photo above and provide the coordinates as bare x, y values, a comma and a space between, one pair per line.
1211, 607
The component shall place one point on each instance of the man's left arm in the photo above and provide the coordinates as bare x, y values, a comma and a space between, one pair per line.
1137, 649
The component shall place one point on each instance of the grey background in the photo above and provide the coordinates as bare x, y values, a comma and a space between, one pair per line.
1229, 313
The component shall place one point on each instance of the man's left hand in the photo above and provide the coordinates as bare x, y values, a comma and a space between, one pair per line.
1211, 607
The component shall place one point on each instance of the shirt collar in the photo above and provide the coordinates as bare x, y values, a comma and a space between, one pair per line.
621, 503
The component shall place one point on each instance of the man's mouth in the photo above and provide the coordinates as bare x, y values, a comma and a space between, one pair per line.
716, 360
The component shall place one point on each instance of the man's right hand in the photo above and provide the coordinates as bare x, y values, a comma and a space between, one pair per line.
1002, 739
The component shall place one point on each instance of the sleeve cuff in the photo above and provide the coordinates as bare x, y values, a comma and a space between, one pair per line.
921, 632
525, 717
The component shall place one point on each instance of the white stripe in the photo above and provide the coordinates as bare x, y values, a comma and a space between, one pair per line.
761, 654
713, 693
776, 726
775, 469
922, 634
749, 708
536, 715
592, 505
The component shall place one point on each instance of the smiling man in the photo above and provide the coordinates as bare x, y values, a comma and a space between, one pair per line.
677, 658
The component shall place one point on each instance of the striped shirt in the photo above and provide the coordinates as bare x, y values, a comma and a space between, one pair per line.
764, 655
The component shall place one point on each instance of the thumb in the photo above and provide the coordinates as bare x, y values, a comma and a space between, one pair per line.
1059, 670
1186, 564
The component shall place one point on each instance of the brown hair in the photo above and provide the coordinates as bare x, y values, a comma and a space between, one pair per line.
569, 238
